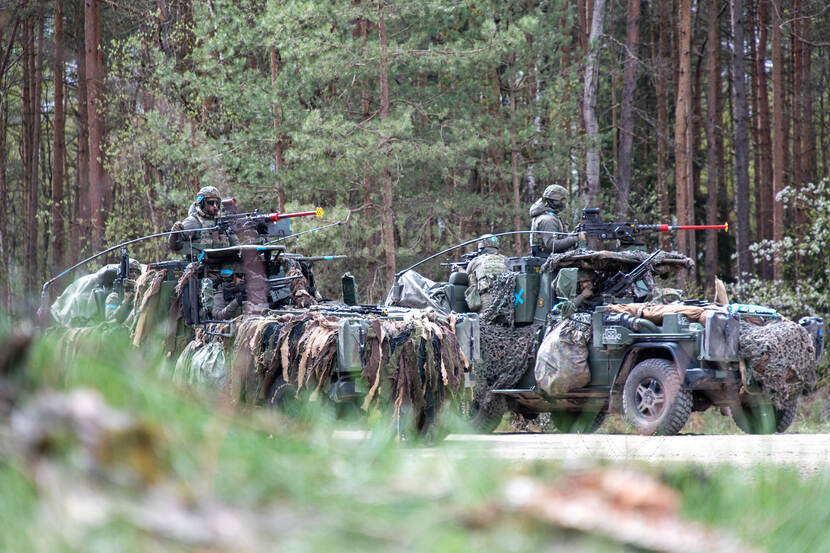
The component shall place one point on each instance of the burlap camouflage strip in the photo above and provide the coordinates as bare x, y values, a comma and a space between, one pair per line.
409, 364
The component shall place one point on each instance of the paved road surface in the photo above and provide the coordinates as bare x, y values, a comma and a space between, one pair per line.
807, 452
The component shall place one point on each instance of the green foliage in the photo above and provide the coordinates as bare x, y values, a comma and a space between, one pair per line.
802, 252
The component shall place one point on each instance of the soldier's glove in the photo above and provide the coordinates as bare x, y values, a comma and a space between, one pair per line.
229, 292
582, 236
129, 285
174, 241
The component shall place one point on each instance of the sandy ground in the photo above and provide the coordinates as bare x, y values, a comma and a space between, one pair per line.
806, 452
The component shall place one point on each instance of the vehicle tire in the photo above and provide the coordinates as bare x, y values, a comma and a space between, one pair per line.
762, 417
283, 397
485, 421
577, 422
654, 401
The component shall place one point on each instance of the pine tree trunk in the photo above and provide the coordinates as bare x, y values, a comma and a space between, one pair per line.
627, 108
58, 150
741, 138
388, 213
590, 106
94, 84
713, 116
778, 135
82, 219
27, 64
765, 187
683, 124
276, 67
661, 89
514, 170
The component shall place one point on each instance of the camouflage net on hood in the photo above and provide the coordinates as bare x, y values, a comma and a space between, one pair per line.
781, 358
415, 363
665, 264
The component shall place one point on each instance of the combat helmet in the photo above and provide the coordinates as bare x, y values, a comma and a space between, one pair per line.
208, 192
555, 192
487, 241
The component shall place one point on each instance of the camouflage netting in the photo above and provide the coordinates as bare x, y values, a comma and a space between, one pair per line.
501, 309
506, 353
781, 357
665, 264
415, 363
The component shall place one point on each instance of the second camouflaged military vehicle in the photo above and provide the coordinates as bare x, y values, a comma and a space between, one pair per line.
633, 349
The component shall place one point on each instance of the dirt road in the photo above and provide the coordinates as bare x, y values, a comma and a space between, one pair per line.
807, 452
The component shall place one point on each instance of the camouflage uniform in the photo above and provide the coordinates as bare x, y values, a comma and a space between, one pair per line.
485, 268
546, 218
228, 299
195, 242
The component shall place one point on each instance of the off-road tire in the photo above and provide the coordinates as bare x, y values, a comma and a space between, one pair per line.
282, 397
762, 417
577, 422
486, 421
654, 401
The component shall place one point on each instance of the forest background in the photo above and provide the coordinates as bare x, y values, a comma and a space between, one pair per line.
425, 123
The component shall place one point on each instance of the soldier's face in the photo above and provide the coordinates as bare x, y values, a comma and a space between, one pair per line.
212, 206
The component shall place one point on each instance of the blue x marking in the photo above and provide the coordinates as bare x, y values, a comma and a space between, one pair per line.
518, 297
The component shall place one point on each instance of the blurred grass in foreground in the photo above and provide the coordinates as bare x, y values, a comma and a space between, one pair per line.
215, 463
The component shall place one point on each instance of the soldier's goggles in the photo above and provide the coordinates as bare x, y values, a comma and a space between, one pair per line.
214, 203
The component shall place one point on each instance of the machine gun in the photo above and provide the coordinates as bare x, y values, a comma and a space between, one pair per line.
466, 258
123, 272
617, 284
627, 232
264, 224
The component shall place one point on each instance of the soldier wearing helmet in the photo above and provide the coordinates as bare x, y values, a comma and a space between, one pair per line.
118, 305
484, 269
545, 212
203, 214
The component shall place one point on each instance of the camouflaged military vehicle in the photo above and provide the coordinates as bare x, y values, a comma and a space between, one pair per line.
631, 346
285, 343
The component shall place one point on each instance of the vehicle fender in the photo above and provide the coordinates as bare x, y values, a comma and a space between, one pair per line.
638, 352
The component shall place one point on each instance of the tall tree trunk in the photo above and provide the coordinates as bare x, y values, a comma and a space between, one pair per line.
713, 115
388, 213
514, 167
94, 83
590, 105
27, 64
58, 150
276, 67
661, 89
778, 134
808, 168
683, 126
740, 117
632, 42
765, 188
82, 219
797, 113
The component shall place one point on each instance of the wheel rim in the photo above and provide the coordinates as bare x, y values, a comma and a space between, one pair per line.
650, 398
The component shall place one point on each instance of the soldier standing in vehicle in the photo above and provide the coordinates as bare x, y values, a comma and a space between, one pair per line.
203, 214
545, 212
118, 305
484, 269
230, 295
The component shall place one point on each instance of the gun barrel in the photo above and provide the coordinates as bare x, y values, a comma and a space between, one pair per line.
669, 228
277, 216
